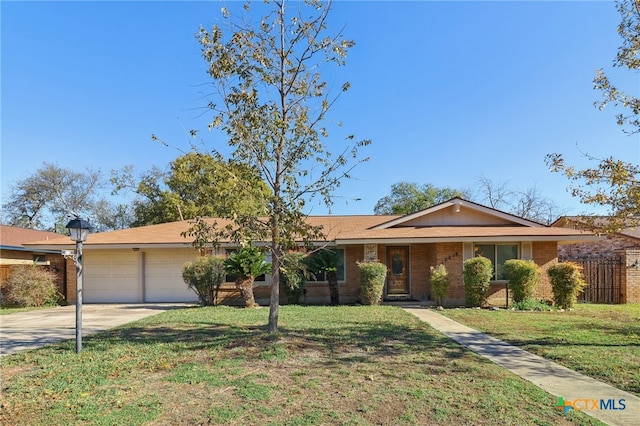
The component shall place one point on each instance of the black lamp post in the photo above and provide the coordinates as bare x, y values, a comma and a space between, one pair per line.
79, 231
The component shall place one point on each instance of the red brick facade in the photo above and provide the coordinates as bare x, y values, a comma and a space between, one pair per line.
422, 258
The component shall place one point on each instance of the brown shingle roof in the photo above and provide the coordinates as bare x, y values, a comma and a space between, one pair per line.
578, 222
342, 229
12, 236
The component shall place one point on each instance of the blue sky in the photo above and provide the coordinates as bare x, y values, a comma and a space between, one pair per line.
447, 91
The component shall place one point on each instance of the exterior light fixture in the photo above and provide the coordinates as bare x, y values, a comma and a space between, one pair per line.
79, 231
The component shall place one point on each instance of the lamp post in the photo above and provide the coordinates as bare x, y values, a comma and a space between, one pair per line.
78, 230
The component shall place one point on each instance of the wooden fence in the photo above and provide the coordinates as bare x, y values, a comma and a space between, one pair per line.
604, 279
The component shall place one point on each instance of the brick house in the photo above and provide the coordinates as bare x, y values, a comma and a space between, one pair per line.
145, 264
13, 252
614, 257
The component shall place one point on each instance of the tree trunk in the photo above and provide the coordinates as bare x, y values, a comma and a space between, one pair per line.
245, 285
332, 278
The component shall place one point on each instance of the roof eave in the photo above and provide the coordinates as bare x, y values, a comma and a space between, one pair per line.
564, 239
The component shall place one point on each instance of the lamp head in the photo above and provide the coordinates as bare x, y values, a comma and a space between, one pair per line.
79, 229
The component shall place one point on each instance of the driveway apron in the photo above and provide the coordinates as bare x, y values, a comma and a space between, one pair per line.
547, 375
33, 329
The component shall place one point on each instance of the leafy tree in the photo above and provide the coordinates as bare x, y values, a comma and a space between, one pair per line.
247, 264
52, 194
327, 261
197, 184
611, 182
271, 102
409, 197
293, 273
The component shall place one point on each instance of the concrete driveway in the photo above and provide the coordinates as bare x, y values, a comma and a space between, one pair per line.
33, 329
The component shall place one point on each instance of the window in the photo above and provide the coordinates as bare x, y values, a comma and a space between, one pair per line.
322, 275
498, 254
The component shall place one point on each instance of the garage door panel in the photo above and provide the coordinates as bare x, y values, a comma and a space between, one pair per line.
163, 276
111, 277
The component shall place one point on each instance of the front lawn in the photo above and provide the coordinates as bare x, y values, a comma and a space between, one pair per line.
600, 341
328, 365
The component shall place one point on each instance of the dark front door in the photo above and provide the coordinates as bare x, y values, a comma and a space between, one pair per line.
398, 271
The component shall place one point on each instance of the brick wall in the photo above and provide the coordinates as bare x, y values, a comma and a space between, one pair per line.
545, 254
631, 276
71, 280
451, 255
606, 246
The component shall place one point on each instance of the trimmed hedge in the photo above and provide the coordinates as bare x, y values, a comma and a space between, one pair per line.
372, 277
439, 282
523, 276
567, 282
477, 273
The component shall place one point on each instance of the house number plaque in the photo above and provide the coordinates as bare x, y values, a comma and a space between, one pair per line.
370, 252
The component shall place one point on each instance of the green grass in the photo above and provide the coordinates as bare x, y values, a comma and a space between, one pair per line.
10, 309
328, 365
600, 341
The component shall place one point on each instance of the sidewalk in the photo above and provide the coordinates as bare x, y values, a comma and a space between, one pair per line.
547, 375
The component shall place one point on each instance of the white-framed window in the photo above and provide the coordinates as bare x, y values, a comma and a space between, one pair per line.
498, 254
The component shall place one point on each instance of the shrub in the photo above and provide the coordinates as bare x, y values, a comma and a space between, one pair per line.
372, 277
327, 261
204, 276
293, 271
247, 263
439, 282
531, 305
31, 285
477, 273
567, 282
523, 276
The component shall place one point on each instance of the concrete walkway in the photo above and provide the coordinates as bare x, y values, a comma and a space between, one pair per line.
547, 375
33, 329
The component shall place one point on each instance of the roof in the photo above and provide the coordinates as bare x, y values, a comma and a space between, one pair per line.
578, 222
455, 220
13, 238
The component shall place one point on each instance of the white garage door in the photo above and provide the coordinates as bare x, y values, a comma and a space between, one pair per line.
163, 276
111, 277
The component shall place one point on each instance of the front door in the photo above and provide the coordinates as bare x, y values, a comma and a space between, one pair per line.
398, 271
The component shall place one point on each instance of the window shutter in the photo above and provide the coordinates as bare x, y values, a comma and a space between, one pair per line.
527, 250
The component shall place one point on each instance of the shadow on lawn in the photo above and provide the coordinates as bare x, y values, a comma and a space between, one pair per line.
619, 337
351, 342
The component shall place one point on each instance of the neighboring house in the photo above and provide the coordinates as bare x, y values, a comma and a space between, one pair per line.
145, 264
611, 264
13, 252
607, 246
